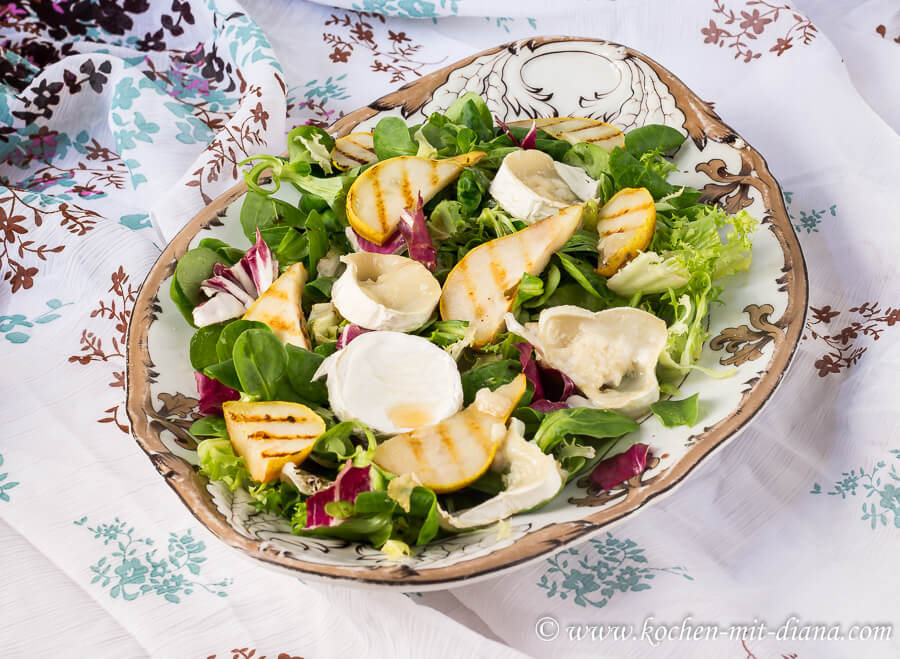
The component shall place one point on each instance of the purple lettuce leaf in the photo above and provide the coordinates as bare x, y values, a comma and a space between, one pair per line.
551, 387
393, 245
612, 471
348, 333
259, 264
418, 239
350, 482
544, 405
226, 280
557, 385
218, 309
232, 290
530, 368
528, 142
315, 508
212, 394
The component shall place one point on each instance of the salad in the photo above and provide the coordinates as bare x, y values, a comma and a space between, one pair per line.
454, 320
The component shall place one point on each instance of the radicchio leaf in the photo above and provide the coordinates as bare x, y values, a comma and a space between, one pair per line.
226, 280
557, 385
212, 394
315, 508
544, 405
350, 482
530, 368
551, 387
415, 232
612, 471
528, 142
232, 290
259, 264
218, 309
349, 333
394, 245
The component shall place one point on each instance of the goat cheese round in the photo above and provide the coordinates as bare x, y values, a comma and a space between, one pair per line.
392, 382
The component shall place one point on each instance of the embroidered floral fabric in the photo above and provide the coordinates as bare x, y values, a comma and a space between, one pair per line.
120, 120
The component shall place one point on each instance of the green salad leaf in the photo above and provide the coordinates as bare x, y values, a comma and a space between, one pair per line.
391, 138
677, 412
259, 362
203, 346
490, 375
310, 144
218, 462
654, 138
301, 365
230, 333
585, 421
471, 111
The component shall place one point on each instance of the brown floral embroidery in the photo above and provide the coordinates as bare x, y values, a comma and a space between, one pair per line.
117, 310
740, 29
353, 31
250, 653
234, 141
881, 31
844, 350
746, 344
18, 217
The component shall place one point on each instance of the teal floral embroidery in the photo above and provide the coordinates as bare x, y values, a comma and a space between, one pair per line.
125, 93
328, 90
193, 131
5, 485
885, 487
143, 130
593, 573
241, 31
313, 99
14, 327
135, 221
409, 8
134, 569
505, 21
808, 221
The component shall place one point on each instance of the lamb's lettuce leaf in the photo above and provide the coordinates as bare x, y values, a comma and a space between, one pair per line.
391, 138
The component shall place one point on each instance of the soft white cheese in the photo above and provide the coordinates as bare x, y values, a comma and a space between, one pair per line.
385, 292
531, 185
392, 382
610, 355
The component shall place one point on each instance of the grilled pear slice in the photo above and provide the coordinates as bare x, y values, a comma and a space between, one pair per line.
578, 129
279, 307
268, 435
381, 193
449, 455
353, 150
482, 287
503, 400
625, 224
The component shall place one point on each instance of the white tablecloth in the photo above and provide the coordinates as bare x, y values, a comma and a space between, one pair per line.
118, 125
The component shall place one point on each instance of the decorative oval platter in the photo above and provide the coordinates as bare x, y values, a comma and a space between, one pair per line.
755, 330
